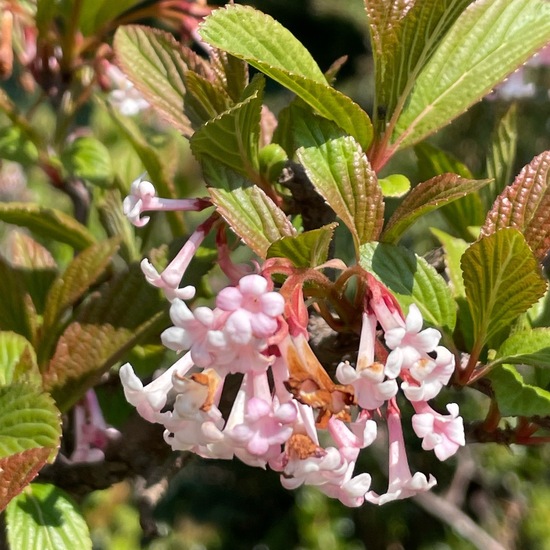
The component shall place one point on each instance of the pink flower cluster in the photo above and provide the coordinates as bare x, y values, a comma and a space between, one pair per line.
288, 413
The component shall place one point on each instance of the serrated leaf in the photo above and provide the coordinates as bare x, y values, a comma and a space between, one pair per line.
156, 63
502, 154
259, 37
232, 73
233, 137
460, 214
114, 319
515, 397
525, 205
261, 41
502, 281
426, 197
340, 172
45, 517
18, 470
454, 249
253, 216
308, 249
399, 54
487, 42
527, 347
16, 146
28, 419
17, 360
88, 159
412, 280
47, 222
79, 276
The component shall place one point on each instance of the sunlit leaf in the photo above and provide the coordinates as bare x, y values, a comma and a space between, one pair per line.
454, 248
502, 281
412, 280
487, 42
340, 172
251, 214
525, 205
426, 197
399, 54
18, 470
14, 145
28, 419
527, 347
261, 41
45, 517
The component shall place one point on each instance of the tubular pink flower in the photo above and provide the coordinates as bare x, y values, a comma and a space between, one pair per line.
428, 376
443, 434
368, 379
254, 310
401, 483
171, 277
150, 400
142, 198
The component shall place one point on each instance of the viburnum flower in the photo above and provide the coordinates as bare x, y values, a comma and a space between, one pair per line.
443, 434
402, 484
288, 413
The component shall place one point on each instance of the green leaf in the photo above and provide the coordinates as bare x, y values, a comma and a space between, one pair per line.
454, 249
259, 37
525, 205
18, 470
526, 347
340, 172
88, 159
45, 517
17, 360
502, 154
487, 42
460, 214
232, 138
308, 249
395, 185
28, 419
399, 54
412, 280
261, 41
250, 213
156, 63
47, 222
80, 275
271, 159
15, 145
426, 197
502, 281
515, 397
